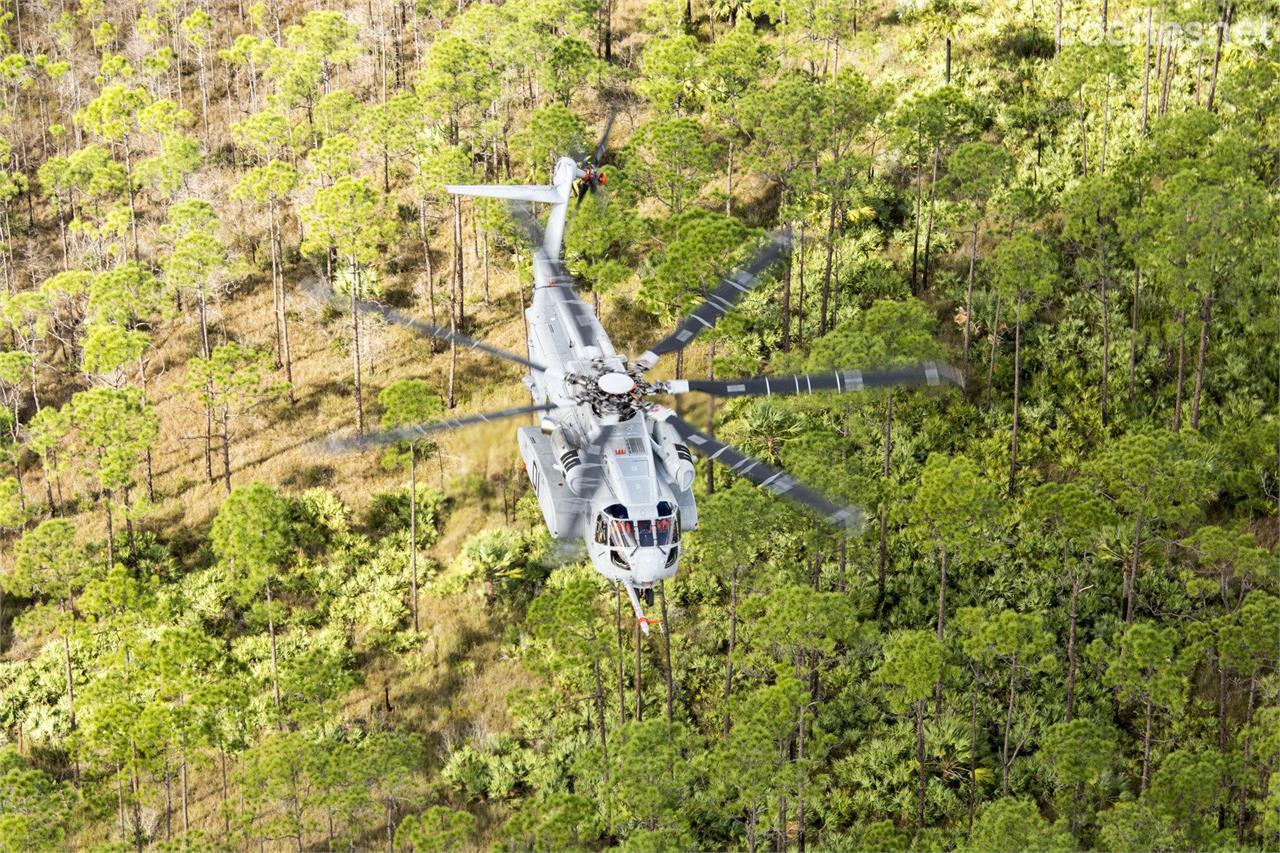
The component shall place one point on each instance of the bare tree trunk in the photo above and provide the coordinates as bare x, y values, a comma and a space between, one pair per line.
1182, 352
1017, 389
413, 532
1132, 582
826, 270
1008, 725
639, 692
942, 624
666, 650
928, 231
1146, 69
271, 631
995, 344
920, 769
733, 642
882, 559
915, 236
968, 308
1146, 749
355, 346
617, 621
1071, 646
1204, 343
1223, 22
226, 448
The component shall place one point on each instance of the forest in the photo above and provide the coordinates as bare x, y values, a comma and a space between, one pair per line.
1056, 630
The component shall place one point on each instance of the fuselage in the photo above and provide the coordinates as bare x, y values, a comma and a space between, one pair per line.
631, 495
604, 469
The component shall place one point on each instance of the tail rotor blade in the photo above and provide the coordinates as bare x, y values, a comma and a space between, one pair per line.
415, 431
766, 476
842, 381
727, 294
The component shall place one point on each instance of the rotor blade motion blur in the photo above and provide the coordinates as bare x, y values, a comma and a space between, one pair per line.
415, 431
727, 294
765, 475
843, 381
440, 333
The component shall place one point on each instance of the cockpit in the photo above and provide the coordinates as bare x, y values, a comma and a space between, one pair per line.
624, 535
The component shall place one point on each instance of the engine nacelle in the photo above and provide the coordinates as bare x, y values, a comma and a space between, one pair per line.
569, 460
674, 454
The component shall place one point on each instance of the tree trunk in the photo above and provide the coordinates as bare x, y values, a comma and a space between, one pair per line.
973, 749
733, 642
355, 345
413, 532
1182, 352
1146, 749
1106, 344
111, 538
995, 344
785, 343
928, 230
1131, 583
426, 255
1071, 646
1017, 389
271, 631
1057, 44
226, 448
1204, 343
639, 694
226, 810
1133, 333
968, 309
942, 624
460, 307
1217, 54
622, 690
284, 308
1008, 725
920, 768
666, 649
728, 184
1146, 70
882, 558
711, 416
915, 236
826, 269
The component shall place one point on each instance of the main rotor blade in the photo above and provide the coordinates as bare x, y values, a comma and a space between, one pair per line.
527, 222
415, 431
844, 381
730, 290
604, 139
441, 333
765, 475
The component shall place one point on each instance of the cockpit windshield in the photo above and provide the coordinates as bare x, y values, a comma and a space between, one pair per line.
631, 533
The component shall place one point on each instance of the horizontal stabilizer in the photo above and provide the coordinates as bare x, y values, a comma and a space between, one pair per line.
515, 192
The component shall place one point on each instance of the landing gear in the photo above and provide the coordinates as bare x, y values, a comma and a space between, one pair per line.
648, 596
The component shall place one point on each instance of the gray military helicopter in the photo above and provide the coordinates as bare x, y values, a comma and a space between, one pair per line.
609, 466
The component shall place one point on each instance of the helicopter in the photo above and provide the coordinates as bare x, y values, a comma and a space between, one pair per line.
609, 466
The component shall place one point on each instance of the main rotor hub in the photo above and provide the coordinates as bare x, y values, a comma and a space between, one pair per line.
616, 383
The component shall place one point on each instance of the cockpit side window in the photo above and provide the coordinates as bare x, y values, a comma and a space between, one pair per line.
602, 530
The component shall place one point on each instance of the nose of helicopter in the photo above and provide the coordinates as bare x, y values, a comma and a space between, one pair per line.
649, 565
